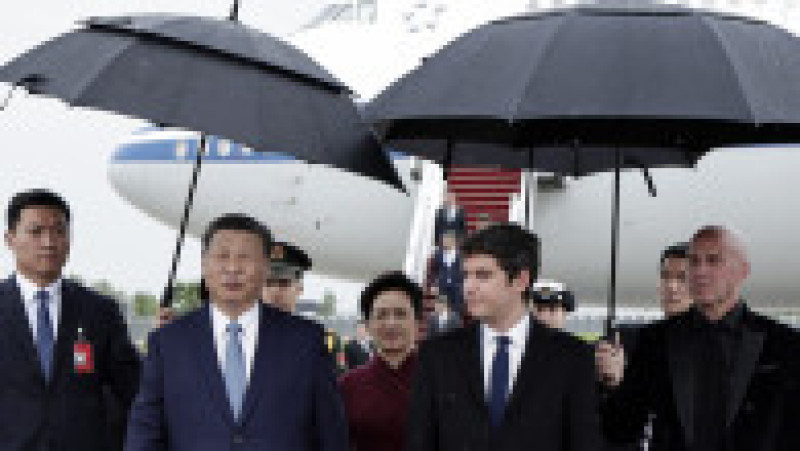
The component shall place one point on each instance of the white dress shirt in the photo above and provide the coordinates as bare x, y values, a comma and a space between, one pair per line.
28, 291
449, 257
452, 211
516, 349
249, 321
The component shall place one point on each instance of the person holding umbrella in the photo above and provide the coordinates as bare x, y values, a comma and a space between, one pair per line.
65, 353
716, 377
237, 374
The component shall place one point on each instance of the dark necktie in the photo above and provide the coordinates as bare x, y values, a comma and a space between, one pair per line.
44, 334
498, 382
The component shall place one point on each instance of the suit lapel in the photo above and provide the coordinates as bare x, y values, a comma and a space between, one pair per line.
532, 358
17, 325
269, 352
206, 356
679, 353
471, 364
743, 366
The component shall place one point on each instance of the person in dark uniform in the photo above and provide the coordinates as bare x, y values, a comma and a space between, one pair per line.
284, 285
358, 350
450, 217
448, 273
551, 306
717, 377
68, 369
442, 319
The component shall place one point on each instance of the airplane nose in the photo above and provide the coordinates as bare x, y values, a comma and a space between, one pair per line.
154, 169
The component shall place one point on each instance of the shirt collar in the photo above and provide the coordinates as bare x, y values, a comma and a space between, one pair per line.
28, 289
730, 321
518, 334
248, 319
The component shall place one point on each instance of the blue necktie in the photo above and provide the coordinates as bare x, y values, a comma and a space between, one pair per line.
498, 382
235, 370
44, 334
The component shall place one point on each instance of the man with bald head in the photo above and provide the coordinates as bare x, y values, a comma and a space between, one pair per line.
717, 377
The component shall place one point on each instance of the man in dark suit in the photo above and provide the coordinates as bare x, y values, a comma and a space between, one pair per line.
450, 217
358, 350
237, 374
448, 273
504, 382
717, 377
65, 354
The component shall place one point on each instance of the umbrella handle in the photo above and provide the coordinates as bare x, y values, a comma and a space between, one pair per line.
166, 300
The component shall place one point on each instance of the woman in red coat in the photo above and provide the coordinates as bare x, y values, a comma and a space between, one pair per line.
376, 394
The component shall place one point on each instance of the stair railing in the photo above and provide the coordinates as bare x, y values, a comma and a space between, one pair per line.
428, 200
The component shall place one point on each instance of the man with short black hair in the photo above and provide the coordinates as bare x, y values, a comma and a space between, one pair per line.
504, 382
237, 373
66, 358
376, 394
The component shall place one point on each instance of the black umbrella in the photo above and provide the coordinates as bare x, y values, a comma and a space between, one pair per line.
655, 85
215, 76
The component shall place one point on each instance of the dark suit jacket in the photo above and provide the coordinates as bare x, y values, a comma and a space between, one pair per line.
553, 405
444, 223
70, 412
291, 403
450, 280
354, 354
659, 380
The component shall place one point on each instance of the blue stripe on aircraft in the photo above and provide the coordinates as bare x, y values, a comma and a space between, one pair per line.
166, 150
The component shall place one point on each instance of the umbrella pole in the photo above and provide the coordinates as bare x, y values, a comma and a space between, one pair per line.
166, 300
528, 194
612, 286
234, 15
448, 158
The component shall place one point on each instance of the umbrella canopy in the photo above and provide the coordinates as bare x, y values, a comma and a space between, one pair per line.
651, 76
269, 97
589, 89
214, 76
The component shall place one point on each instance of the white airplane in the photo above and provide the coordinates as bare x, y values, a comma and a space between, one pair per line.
355, 228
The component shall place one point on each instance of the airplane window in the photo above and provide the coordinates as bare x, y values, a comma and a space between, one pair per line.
246, 151
224, 147
180, 149
207, 148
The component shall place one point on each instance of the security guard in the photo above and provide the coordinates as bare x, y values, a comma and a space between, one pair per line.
285, 283
552, 305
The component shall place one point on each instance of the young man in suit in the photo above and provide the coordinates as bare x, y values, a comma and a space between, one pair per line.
717, 377
506, 381
65, 353
237, 373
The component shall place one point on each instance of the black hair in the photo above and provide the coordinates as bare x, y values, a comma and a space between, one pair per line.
514, 248
34, 198
236, 221
678, 250
391, 281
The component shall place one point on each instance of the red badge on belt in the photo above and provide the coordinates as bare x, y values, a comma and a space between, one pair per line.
82, 356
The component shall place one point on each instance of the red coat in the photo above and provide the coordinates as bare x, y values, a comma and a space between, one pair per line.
376, 399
